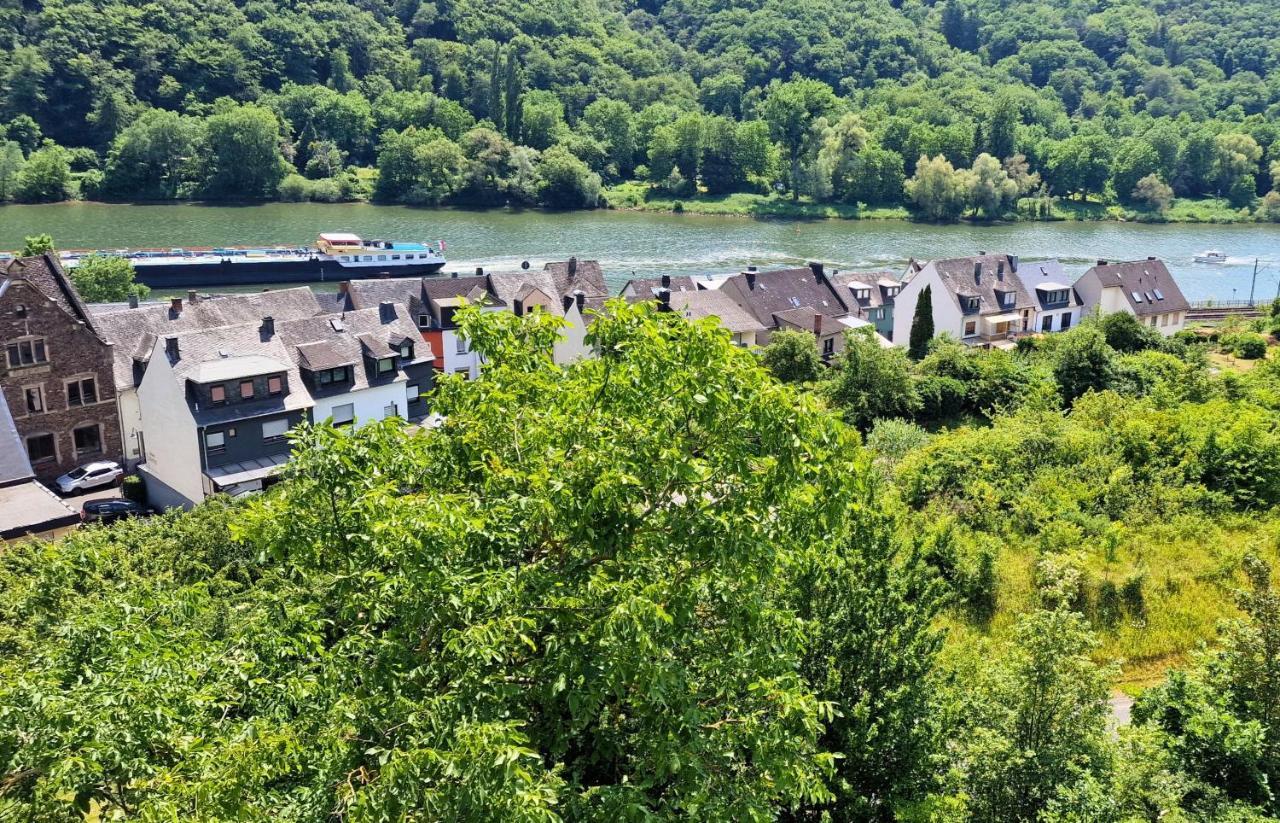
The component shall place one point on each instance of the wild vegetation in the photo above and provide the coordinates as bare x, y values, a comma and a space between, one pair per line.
662, 584
946, 108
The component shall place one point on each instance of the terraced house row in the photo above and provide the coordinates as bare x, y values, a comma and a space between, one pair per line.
197, 394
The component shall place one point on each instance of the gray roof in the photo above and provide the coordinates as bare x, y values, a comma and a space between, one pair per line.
317, 343
696, 305
1045, 277
782, 290
998, 272
46, 275
648, 286
30, 508
14, 465
133, 330
578, 275
876, 283
1147, 285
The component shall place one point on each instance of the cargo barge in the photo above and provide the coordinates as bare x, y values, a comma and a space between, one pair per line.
335, 257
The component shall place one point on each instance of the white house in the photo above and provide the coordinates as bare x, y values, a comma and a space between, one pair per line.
1143, 288
980, 300
1058, 307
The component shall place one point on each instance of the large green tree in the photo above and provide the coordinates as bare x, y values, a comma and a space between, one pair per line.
244, 158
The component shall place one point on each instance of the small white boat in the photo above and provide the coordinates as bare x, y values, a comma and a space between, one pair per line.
1211, 257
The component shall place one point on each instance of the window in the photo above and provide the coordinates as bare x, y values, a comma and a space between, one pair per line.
424, 321
275, 384
829, 346
327, 376
412, 393
973, 302
35, 399
246, 389
368, 258
395, 257
970, 328
274, 429
218, 394
88, 439
345, 259
390, 410
1066, 322
382, 258
41, 448
1046, 324
215, 442
82, 392
464, 371
1164, 319
406, 350
344, 415
1153, 321
386, 364
462, 345
27, 353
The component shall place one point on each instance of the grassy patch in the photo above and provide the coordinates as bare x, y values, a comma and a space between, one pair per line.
641, 197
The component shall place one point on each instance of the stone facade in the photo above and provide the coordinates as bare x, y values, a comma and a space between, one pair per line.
55, 369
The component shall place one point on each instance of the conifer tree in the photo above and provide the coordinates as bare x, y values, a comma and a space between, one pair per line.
513, 102
921, 325
495, 88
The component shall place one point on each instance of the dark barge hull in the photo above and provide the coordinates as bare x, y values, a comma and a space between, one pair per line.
242, 272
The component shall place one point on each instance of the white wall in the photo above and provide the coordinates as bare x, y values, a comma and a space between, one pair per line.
947, 317
571, 345
130, 422
1038, 323
369, 403
169, 431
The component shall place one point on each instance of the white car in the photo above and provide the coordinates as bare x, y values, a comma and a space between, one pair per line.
90, 476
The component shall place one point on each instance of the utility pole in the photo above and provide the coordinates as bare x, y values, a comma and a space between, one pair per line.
1254, 282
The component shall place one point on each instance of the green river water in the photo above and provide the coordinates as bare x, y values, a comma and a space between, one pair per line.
628, 243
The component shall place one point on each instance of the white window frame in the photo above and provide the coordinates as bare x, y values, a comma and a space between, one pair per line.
268, 437
215, 442
343, 414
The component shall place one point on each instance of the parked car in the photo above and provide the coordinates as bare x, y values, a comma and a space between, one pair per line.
110, 510
90, 476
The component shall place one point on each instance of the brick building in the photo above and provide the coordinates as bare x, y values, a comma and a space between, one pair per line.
55, 370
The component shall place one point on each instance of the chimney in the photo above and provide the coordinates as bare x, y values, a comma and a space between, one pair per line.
175, 305
454, 275
751, 277
666, 281
133, 300
192, 296
817, 324
344, 287
580, 297
977, 271
1000, 271
171, 348
817, 270
1013, 263
573, 266
664, 299
568, 301
268, 327
386, 311
1102, 262
1151, 258
479, 271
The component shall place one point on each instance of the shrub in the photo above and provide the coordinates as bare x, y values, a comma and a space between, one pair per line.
294, 189
1246, 345
134, 489
326, 190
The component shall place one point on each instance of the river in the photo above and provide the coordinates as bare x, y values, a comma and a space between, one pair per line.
628, 243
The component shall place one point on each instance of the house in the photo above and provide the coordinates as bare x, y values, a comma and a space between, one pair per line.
870, 297
1058, 306
132, 329
799, 299
1143, 288
27, 507
57, 374
216, 406
362, 365
694, 305
979, 300
569, 289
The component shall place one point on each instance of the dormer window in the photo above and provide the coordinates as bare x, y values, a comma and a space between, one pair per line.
246, 390
424, 321
406, 350
386, 365
972, 303
218, 394
275, 385
326, 376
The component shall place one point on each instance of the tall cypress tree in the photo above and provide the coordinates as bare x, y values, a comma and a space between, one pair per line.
921, 325
514, 104
495, 88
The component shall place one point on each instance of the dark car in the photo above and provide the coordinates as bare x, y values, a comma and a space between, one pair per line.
111, 510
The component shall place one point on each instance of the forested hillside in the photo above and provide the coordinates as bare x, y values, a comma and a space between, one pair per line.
1015, 104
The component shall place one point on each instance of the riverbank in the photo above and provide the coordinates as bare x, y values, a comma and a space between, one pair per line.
636, 196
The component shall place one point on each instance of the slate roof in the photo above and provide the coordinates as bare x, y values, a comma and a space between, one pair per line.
648, 287
780, 291
698, 304
959, 276
46, 275
573, 274
133, 331
1049, 275
315, 344
1145, 278
876, 282
14, 465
